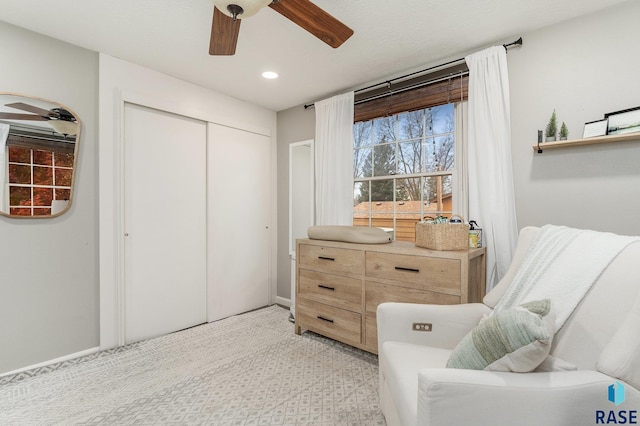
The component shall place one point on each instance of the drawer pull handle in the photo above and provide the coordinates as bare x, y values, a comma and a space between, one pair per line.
399, 268
326, 258
325, 319
326, 287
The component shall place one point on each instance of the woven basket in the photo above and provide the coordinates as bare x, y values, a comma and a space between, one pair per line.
443, 236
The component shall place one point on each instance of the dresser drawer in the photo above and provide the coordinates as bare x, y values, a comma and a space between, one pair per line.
376, 293
335, 290
336, 323
415, 271
331, 259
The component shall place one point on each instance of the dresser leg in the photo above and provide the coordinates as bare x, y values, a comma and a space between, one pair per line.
298, 329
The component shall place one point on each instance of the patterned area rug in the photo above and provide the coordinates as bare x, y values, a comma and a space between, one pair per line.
250, 369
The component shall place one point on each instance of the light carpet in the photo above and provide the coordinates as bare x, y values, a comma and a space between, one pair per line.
249, 369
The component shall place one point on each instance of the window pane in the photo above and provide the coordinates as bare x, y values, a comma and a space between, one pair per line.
362, 162
361, 204
406, 226
382, 191
439, 154
437, 195
408, 193
63, 177
63, 194
362, 134
442, 119
19, 196
411, 125
360, 193
384, 160
19, 174
19, 155
42, 196
384, 129
410, 157
44, 158
407, 208
64, 160
42, 175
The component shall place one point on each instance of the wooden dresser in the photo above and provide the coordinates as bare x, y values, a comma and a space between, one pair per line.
340, 285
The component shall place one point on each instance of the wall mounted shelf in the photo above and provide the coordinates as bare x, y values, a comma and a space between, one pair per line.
588, 141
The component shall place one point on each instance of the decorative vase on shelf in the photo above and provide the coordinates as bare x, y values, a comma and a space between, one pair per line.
552, 128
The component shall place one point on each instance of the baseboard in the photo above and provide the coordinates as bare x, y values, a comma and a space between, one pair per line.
282, 301
53, 361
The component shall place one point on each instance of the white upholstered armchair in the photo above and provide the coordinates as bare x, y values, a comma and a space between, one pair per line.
592, 375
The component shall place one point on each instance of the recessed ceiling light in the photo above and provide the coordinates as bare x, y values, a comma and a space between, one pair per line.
270, 75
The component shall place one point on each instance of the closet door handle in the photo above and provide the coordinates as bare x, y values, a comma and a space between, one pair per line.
326, 258
326, 287
325, 319
399, 268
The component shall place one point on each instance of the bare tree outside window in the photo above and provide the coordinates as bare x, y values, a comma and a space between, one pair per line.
403, 166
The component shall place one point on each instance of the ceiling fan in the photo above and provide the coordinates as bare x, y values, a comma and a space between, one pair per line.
61, 120
227, 15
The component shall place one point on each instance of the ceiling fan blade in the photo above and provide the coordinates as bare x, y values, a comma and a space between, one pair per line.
12, 116
224, 34
315, 20
26, 107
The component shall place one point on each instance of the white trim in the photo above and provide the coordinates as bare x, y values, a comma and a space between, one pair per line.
53, 361
309, 143
282, 301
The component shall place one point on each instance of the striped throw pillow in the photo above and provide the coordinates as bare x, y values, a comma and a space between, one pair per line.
516, 339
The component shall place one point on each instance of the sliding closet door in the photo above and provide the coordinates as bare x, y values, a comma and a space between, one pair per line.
239, 219
165, 222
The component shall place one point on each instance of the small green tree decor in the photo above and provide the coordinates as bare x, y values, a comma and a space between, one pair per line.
552, 128
564, 132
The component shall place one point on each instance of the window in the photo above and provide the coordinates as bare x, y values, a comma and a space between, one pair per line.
36, 178
403, 168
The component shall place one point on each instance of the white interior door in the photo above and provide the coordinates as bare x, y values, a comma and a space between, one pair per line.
165, 222
239, 219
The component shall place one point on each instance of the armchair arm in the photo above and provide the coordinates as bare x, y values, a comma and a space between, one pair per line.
497, 398
449, 323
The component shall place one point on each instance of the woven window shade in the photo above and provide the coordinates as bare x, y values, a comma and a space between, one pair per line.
44, 144
413, 95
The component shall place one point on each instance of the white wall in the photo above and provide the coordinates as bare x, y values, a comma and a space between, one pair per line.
49, 267
583, 68
120, 80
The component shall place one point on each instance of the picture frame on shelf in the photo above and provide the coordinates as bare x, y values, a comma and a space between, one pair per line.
624, 121
595, 128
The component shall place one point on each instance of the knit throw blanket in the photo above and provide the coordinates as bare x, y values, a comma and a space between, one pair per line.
561, 265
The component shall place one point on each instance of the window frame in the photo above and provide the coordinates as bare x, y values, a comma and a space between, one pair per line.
396, 177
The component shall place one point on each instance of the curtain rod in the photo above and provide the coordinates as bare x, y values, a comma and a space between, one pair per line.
518, 42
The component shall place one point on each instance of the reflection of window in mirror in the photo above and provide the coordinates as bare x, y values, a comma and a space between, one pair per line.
37, 156
40, 167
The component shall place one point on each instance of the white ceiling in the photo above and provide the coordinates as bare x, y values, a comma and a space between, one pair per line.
391, 37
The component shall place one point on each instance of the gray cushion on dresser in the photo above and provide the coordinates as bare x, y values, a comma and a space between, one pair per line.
349, 234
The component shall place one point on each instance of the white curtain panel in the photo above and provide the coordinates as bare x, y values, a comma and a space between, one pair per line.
491, 193
4, 134
334, 160
461, 175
